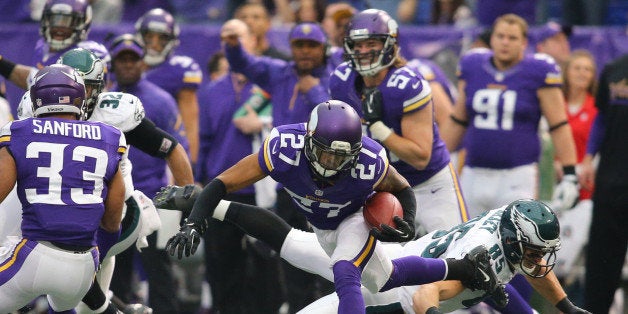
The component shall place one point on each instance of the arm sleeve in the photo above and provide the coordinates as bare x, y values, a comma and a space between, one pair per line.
150, 139
596, 135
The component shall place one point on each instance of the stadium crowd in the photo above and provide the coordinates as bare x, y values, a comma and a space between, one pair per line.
258, 163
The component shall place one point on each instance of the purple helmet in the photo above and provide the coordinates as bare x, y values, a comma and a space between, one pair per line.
334, 138
58, 88
161, 22
371, 24
71, 16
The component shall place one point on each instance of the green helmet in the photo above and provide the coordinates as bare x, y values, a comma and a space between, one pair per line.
93, 71
530, 235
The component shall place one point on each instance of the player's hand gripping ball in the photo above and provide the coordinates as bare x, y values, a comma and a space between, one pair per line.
380, 208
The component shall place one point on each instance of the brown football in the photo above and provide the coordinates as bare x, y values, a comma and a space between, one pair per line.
380, 208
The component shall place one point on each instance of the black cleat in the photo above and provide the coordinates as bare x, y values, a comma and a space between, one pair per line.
484, 277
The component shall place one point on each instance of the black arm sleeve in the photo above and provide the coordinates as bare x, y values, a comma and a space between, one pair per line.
150, 139
408, 203
207, 201
259, 223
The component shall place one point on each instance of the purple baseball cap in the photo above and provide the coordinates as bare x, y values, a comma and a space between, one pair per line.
125, 42
308, 31
550, 29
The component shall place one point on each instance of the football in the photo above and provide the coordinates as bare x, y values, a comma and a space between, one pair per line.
380, 208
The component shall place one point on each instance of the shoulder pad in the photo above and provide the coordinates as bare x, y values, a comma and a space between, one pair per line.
25, 108
122, 110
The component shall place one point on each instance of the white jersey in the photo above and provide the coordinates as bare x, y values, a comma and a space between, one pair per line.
456, 243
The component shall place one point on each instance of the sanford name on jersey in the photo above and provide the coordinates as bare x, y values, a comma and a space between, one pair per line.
64, 128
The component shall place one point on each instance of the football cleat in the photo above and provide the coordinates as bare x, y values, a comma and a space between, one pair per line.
484, 277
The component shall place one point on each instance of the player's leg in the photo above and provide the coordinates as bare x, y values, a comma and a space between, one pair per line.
442, 205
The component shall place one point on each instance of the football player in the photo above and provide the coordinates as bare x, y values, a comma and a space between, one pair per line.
329, 169
397, 106
522, 237
179, 75
64, 25
125, 112
70, 184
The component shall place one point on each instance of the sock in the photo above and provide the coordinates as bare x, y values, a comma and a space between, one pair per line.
524, 288
415, 270
347, 281
516, 303
94, 298
105, 241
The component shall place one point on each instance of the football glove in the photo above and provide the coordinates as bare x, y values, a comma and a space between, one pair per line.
566, 193
403, 233
175, 197
372, 104
188, 238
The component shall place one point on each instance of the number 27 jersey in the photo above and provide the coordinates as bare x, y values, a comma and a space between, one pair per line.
283, 157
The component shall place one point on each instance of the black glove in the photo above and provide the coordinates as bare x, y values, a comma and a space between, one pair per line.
188, 238
372, 104
175, 197
567, 307
403, 233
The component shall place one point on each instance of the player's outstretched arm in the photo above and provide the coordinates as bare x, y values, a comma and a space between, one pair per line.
549, 287
16, 73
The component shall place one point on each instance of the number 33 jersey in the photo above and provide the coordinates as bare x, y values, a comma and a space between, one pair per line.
325, 206
63, 170
503, 108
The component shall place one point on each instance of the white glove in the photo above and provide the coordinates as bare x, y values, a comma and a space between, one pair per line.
566, 193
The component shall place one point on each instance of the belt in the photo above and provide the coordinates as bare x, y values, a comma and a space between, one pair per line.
77, 249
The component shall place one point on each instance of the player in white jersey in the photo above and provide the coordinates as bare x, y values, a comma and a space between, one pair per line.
522, 237
126, 112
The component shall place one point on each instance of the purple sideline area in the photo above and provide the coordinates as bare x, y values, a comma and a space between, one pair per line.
201, 41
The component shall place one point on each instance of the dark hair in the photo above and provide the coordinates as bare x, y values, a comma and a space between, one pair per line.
214, 62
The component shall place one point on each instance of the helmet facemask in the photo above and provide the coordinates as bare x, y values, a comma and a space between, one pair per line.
377, 59
62, 17
157, 24
529, 233
327, 161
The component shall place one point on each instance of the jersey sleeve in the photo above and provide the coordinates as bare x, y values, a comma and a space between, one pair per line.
122, 110
5, 134
282, 150
412, 91
25, 108
546, 67
265, 156
372, 156
192, 74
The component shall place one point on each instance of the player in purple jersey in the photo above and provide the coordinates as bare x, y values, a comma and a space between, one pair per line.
397, 106
179, 75
329, 169
502, 95
64, 24
70, 185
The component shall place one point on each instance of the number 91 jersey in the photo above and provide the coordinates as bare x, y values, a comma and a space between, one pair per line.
283, 158
503, 108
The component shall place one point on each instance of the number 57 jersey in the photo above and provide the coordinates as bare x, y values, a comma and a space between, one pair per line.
324, 205
63, 171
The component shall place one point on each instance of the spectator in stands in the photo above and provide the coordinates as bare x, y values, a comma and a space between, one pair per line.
217, 67
487, 11
179, 75
608, 238
553, 39
222, 143
451, 12
309, 11
256, 16
148, 173
337, 16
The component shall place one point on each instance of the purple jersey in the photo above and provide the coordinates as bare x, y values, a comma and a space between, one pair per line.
431, 72
175, 74
282, 156
403, 92
43, 57
64, 168
503, 108
221, 144
279, 79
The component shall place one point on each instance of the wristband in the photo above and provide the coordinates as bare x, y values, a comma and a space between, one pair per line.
379, 131
565, 305
569, 170
6, 67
